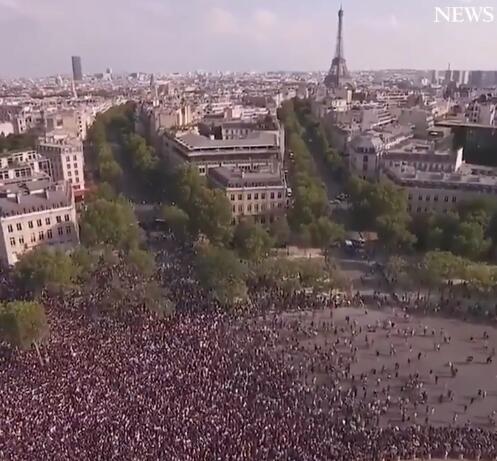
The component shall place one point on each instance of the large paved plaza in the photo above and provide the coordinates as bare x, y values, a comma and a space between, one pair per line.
438, 367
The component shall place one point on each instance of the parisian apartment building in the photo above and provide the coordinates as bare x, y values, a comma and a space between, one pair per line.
39, 189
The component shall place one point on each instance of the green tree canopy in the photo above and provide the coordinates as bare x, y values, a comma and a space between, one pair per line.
325, 232
104, 190
481, 277
395, 266
110, 171
188, 185
156, 299
141, 261
479, 211
252, 240
45, 268
374, 200
141, 156
212, 215
105, 222
17, 141
309, 194
124, 284
177, 220
84, 261
469, 240
393, 232
294, 274
441, 266
23, 324
221, 271
209, 210
280, 231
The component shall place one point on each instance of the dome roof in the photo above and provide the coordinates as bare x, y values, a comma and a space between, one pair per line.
367, 142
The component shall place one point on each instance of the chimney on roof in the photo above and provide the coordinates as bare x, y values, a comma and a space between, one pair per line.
18, 198
47, 193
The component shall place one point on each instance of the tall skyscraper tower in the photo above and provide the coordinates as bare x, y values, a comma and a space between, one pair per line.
154, 90
338, 74
77, 71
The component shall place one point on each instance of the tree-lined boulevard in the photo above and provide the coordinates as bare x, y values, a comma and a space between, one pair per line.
194, 341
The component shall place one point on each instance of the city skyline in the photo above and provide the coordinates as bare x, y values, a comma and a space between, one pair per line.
163, 36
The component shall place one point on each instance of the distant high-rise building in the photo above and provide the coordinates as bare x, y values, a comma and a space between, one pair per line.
154, 88
456, 76
73, 90
434, 76
448, 75
338, 73
476, 78
489, 78
77, 70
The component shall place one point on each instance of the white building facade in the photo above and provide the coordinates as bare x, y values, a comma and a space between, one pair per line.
36, 213
260, 195
260, 150
66, 160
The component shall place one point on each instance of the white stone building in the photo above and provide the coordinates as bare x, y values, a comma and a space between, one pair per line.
66, 160
366, 150
257, 150
33, 213
433, 175
421, 119
482, 112
261, 195
16, 165
442, 191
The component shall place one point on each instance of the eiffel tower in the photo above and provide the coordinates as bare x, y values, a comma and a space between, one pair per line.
338, 74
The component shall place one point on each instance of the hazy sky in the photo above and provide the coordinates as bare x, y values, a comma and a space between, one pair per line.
37, 37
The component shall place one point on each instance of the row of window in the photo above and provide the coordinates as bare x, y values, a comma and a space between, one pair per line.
76, 179
425, 166
435, 198
256, 207
366, 150
41, 236
39, 223
18, 173
420, 209
262, 219
272, 196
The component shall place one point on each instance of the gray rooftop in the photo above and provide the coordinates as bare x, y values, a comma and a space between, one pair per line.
468, 176
35, 177
236, 178
8, 153
33, 196
367, 142
393, 130
195, 141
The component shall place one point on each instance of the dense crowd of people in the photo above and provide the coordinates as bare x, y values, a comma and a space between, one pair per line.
209, 385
